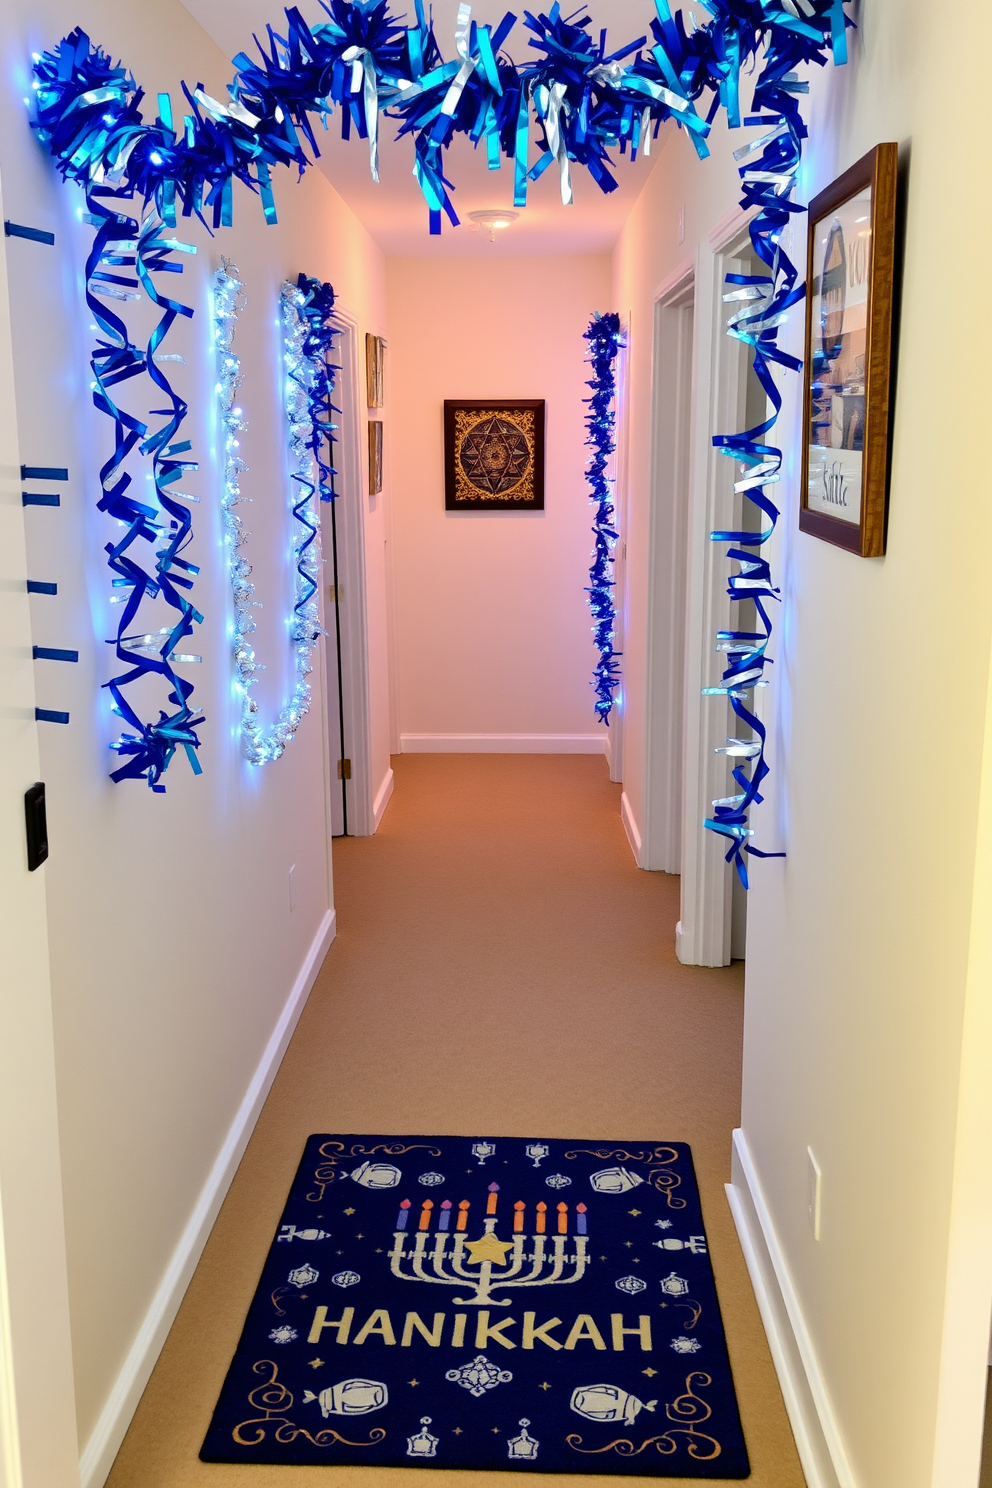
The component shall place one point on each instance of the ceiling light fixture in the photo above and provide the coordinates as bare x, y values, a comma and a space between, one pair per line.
493, 220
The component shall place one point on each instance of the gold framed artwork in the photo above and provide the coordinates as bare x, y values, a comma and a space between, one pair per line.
375, 456
848, 375
375, 374
494, 455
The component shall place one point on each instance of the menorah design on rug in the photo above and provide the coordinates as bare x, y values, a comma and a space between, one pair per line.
448, 1257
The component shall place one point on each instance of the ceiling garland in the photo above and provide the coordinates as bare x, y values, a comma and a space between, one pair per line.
582, 96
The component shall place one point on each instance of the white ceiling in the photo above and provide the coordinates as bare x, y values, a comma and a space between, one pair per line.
394, 211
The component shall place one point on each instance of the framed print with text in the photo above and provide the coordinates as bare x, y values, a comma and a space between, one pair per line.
847, 378
494, 455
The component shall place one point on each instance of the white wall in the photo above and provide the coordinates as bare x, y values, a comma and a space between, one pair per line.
37, 1415
493, 630
174, 950
864, 956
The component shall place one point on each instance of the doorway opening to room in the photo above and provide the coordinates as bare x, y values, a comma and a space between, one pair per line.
703, 385
347, 731
672, 390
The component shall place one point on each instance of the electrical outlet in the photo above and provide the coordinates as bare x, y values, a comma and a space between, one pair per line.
814, 1180
292, 888
682, 223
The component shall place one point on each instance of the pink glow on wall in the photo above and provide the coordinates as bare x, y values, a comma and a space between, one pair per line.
493, 634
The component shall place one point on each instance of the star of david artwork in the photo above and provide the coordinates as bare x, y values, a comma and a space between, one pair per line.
494, 455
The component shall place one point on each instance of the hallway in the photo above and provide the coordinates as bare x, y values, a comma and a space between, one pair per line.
501, 965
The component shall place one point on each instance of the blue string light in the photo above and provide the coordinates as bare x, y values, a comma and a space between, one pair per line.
306, 307
604, 340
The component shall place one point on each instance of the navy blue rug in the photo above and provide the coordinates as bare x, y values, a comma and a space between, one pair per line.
465, 1302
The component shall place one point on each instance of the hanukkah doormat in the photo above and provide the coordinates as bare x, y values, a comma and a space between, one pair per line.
460, 1302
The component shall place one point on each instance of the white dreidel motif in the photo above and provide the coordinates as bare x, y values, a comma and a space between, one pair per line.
376, 1175
423, 1444
608, 1403
522, 1447
482, 1150
352, 1397
695, 1243
536, 1151
290, 1232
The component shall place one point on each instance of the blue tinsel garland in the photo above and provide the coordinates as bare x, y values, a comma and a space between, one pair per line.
603, 336
584, 99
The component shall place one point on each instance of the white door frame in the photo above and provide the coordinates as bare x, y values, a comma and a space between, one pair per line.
350, 514
703, 935
673, 395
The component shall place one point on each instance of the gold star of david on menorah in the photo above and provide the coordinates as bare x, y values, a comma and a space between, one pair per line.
443, 1256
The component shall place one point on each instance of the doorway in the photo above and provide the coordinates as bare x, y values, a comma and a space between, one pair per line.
712, 928
671, 445
347, 732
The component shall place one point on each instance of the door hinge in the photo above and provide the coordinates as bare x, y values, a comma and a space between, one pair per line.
335, 593
344, 769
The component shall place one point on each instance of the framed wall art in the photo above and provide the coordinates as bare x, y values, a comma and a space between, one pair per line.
375, 456
494, 455
848, 373
375, 370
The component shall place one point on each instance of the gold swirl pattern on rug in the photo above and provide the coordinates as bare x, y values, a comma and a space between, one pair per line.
659, 1176
277, 1295
325, 1174
688, 1408
274, 1402
393, 1149
695, 1310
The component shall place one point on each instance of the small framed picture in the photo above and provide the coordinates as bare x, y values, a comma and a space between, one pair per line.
848, 374
494, 455
375, 456
375, 359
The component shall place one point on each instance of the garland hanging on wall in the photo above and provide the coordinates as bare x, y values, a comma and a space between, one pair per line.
306, 308
603, 336
122, 242
583, 99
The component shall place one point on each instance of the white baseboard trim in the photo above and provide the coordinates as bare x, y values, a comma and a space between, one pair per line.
104, 1443
630, 827
382, 799
502, 743
807, 1400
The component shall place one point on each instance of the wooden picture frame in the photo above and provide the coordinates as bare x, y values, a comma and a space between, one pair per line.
375, 456
494, 454
375, 370
848, 375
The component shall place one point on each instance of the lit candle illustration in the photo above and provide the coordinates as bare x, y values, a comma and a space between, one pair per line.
580, 1218
541, 1213
462, 1219
563, 1219
403, 1215
425, 1214
445, 1215
491, 1201
518, 1217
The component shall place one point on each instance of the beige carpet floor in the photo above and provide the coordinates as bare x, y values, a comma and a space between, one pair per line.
501, 966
